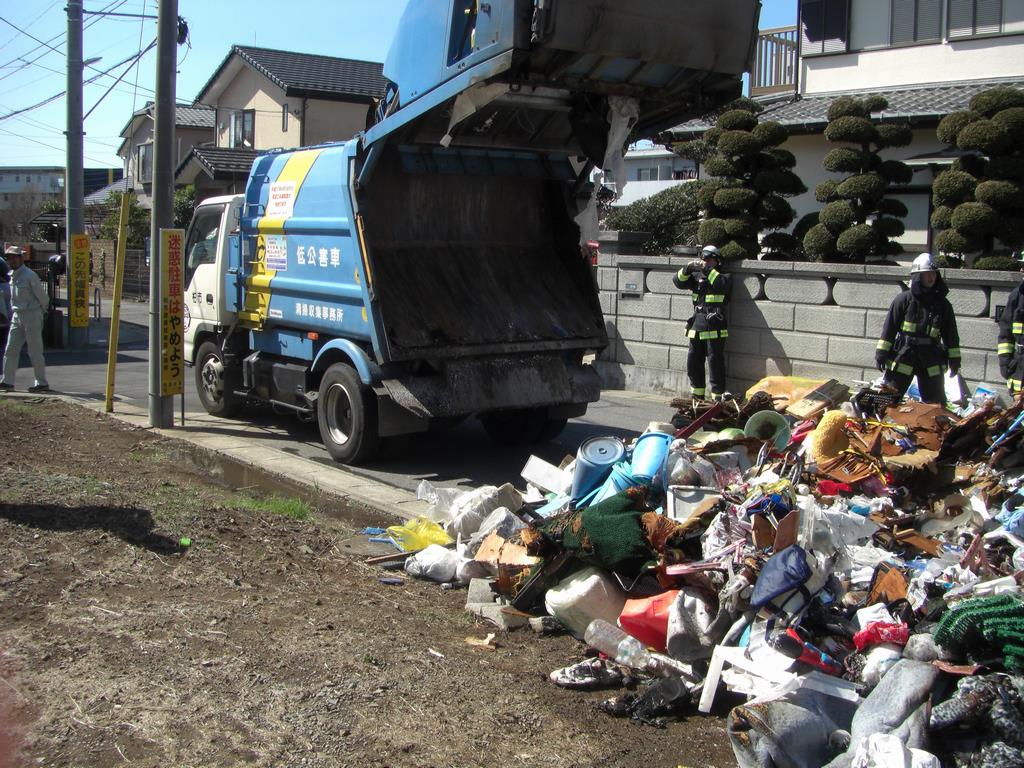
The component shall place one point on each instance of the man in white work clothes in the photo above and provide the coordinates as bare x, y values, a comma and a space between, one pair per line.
30, 302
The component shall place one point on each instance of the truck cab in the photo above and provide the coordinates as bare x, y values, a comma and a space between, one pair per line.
432, 268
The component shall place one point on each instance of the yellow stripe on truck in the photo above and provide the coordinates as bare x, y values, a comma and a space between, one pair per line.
257, 294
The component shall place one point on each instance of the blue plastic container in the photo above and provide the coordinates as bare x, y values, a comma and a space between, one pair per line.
649, 454
594, 461
619, 480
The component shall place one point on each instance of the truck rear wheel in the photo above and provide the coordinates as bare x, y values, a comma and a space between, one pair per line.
347, 416
216, 382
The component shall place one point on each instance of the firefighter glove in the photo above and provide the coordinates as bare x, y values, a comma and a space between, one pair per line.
881, 361
954, 365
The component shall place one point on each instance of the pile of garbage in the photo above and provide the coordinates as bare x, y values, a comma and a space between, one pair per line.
850, 564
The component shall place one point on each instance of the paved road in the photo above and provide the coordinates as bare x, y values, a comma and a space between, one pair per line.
463, 457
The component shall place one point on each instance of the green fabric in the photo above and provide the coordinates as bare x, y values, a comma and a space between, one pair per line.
608, 535
983, 626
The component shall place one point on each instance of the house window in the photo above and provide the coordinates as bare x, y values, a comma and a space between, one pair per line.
144, 163
647, 174
968, 18
243, 129
824, 26
284, 118
915, 21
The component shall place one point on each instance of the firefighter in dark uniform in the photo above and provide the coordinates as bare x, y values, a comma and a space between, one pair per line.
919, 337
707, 329
1011, 338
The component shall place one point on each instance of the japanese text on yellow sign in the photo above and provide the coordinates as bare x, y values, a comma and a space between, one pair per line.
78, 282
172, 352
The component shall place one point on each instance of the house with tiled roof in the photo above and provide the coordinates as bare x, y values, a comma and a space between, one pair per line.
926, 57
263, 99
192, 125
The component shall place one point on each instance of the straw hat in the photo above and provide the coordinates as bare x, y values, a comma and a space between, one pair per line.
828, 438
13, 250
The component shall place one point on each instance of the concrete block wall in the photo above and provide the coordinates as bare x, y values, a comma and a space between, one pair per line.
791, 319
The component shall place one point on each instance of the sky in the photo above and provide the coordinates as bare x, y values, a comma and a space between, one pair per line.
33, 58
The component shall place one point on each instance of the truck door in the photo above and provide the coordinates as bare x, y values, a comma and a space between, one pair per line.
203, 285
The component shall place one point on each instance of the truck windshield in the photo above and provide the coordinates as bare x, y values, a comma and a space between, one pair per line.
202, 239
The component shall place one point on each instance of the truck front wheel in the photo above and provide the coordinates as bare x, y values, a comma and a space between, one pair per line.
216, 382
347, 415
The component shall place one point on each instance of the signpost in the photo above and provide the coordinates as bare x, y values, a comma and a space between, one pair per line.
78, 282
172, 347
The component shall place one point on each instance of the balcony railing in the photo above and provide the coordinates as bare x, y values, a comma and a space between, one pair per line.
775, 62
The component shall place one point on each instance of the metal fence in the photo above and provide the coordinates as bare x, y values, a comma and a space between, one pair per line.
136, 275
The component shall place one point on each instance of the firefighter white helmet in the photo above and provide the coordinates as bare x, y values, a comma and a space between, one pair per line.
710, 252
923, 263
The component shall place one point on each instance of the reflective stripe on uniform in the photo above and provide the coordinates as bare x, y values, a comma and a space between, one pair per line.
908, 327
933, 331
901, 368
954, 352
707, 335
1005, 348
698, 391
934, 370
712, 275
1018, 329
1014, 385
715, 298
884, 345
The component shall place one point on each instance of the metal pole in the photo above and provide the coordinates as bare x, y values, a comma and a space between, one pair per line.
115, 314
74, 181
161, 409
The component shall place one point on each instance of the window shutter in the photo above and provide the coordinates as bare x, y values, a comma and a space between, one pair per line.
929, 20
988, 16
902, 28
961, 18
812, 27
836, 18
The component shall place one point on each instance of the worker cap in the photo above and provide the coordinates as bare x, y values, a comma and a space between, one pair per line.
710, 252
12, 250
923, 263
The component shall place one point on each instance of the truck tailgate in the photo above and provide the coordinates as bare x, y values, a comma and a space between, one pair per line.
480, 263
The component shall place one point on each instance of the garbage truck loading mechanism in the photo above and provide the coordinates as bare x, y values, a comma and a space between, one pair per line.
430, 268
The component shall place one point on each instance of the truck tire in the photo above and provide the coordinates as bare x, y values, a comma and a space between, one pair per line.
216, 382
347, 416
552, 428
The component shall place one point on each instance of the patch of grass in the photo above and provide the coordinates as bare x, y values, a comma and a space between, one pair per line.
296, 509
456, 620
13, 407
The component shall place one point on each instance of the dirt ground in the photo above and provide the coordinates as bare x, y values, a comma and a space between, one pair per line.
267, 641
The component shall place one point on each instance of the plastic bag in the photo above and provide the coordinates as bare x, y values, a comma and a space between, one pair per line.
436, 563
501, 520
462, 512
418, 533
885, 750
440, 499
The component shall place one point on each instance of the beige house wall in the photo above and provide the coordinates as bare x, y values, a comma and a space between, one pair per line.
251, 90
333, 121
185, 139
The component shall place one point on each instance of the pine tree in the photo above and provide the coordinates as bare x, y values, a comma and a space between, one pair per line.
857, 220
752, 179
980, 199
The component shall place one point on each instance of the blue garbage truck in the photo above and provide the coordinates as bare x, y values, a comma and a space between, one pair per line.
430, 268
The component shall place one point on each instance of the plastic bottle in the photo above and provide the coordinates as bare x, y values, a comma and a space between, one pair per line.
616, 644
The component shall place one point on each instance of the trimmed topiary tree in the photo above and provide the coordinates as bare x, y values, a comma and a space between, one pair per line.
753, 177
857, 221
669, 217
980, 199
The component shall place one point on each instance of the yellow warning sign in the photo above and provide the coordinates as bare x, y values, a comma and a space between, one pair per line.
78, 282
172, 347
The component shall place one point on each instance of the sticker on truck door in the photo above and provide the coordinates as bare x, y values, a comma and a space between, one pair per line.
281, 201
275, 252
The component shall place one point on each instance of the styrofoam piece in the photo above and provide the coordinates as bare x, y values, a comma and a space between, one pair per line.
546, 476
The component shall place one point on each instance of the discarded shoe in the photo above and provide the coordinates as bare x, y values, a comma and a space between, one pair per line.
587, 675
37, 388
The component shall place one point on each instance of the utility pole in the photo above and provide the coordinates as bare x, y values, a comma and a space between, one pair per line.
74, 181
161, 409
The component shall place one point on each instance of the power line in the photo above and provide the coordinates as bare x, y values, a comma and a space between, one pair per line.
44, 144
37, 18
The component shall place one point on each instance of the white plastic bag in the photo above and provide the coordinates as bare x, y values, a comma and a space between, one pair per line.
462, 512
500, 520
436, 563
884, 750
